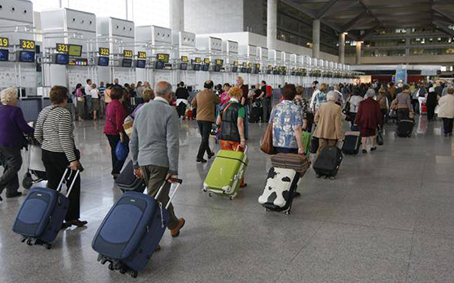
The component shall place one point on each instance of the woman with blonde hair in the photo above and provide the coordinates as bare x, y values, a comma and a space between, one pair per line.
12, 130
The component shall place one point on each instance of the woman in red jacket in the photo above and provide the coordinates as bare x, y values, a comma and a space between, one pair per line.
369, 118
115, 116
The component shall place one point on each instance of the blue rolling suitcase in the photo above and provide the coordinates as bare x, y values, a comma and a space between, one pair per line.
42, 213
131, 231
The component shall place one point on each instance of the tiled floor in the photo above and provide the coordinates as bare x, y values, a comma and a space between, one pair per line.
388, 217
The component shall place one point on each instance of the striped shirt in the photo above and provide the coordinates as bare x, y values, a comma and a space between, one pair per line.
55, 131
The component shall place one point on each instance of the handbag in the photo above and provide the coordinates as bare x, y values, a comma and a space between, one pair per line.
122, 151
266, 142
297, 162
346, 110
380, 140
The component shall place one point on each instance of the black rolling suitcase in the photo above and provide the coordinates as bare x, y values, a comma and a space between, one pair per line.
127, 181
279, 190
405, 128
256, 111
352, 142
328, 162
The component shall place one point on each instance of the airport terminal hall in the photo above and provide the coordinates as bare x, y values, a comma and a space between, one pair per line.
225, 141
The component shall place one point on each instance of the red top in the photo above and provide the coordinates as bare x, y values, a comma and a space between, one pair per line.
115, 116
369, 115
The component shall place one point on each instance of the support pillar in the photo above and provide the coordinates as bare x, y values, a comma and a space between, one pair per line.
176, 15
271, 25
342, 48
316, 38
358, 52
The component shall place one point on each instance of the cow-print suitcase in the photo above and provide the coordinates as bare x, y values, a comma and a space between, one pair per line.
280, 186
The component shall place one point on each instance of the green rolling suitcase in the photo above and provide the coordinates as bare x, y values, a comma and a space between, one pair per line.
226, 173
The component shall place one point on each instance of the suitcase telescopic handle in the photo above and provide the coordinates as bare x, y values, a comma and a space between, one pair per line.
60, 185
174, 180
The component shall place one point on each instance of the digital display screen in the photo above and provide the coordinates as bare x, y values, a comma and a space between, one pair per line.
235, 69
63, 48
27, 56
78, 62
197, 67
4, 42
103, 51
75, 50
184, 59
27, 44
61, 59
217, 68
163, 57
141, 64
205, 67
4, 54
127, 53
141, 55
183, 66
160, 65
127, 63
103, 61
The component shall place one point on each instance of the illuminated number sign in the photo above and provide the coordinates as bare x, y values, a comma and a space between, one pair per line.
184, 59
198, 60
4, 42
244, 64
27, 44
127, 53
270, 67
258, 66
250, 65
142, 55
163, 57
235, 63
62, 48
103, 51
219, 62
206, 60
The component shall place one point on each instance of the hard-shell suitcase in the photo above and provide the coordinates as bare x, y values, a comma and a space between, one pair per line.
42, 213
131, 231
328, 162
226, 173
405, 128
306, 140
280, 185
352, 142
299, 163
127, 181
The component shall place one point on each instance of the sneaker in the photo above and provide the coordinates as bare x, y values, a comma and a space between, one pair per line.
13, 195
176, 231
201, 160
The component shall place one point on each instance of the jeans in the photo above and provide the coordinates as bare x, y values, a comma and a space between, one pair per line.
12, 162
448, 125
181, 109
352, 120
117, 165
56, 164
205, 130
266, 110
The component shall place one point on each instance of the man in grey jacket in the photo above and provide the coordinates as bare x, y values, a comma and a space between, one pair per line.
155, 148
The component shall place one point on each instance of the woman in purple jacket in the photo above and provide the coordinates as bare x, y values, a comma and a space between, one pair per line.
12, 129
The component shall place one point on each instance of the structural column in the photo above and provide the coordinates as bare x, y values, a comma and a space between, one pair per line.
176, 15
316, 38
342, 48
358, 52
271, 25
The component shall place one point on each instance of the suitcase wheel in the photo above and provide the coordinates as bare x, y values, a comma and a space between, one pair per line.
122, 270
134, 274
204, 190
111, 266
210, 194
27, 183
29, 242
231, 197
48, 246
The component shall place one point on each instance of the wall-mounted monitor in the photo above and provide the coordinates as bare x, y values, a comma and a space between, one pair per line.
197, 67
160, 65
126, 63
4, 54
183, 66
103, 61
163, 57
75, 50
217, 68
206, 67
141, 64
27, 56
234, 69
61, 59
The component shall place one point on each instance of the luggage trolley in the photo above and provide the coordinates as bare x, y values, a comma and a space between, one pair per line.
36, 172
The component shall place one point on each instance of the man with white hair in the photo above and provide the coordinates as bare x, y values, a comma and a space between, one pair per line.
12, 130
155, 148
329, 122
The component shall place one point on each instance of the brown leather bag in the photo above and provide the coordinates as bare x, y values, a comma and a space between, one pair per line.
297, 162
266, 143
